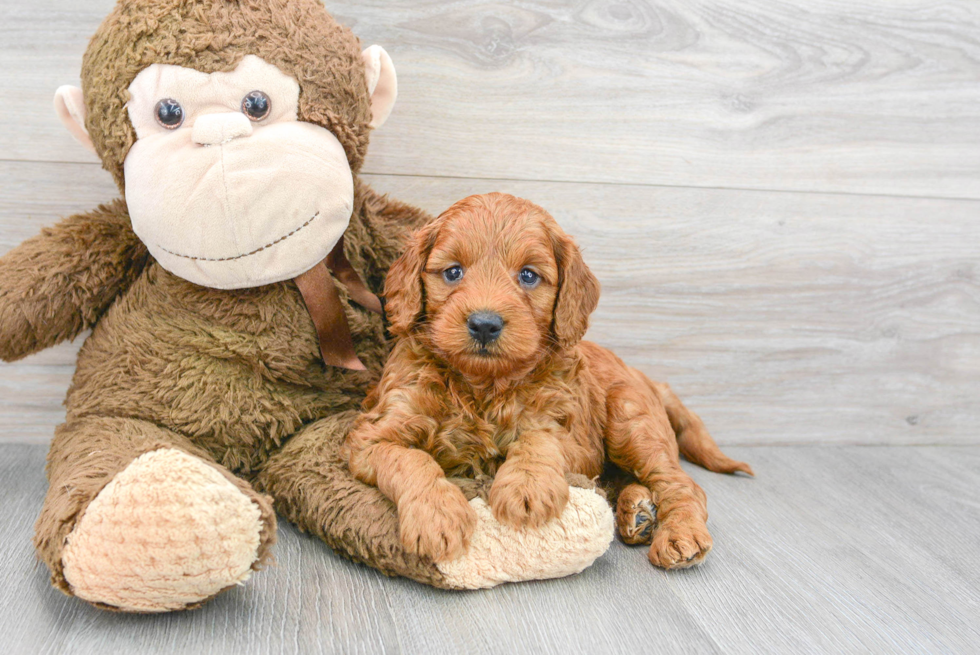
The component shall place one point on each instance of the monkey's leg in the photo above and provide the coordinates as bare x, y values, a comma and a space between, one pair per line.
139, 519
313, 487
639, 439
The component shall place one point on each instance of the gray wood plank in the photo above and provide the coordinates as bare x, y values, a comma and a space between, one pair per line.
865, 97
41, 47
780, 317
838, 550
830, 549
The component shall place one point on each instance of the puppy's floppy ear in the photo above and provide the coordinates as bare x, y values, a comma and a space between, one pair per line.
578, 291
403, 285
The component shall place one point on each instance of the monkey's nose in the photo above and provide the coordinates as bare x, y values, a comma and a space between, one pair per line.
485, 327
215, 129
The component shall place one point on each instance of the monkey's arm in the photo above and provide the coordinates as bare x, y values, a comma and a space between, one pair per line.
58, 283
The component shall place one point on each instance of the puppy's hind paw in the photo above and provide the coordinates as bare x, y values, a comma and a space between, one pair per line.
636, 515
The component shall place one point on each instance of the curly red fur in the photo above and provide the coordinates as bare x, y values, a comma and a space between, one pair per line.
529, 407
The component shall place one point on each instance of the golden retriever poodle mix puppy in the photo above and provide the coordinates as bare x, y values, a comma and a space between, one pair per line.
490, 377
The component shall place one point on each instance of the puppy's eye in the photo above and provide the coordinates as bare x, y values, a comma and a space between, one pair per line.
256, 105
529, 279
453, 274
169, 113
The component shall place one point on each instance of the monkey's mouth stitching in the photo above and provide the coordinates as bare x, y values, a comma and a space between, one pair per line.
248, 254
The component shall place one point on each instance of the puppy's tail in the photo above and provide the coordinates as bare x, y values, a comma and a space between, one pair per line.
698, 447
693, 439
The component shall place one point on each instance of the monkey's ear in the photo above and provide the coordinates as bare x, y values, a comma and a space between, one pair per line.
70, 106
382, 83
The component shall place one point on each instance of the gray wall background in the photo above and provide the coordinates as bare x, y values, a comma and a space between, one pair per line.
782, 200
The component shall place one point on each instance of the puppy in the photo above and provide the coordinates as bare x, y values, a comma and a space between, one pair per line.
490, 377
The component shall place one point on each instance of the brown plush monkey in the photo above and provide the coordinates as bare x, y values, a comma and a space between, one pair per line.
235, 130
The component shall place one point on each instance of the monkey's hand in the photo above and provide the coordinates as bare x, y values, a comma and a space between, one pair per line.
60, 282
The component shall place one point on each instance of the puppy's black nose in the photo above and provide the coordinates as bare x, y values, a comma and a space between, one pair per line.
485, 327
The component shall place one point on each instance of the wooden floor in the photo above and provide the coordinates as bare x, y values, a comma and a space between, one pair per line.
782, 201
829, 550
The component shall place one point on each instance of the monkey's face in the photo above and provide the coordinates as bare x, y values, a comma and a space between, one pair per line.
225, 186
237, 170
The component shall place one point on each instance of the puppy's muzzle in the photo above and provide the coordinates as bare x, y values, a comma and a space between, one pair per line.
485, 327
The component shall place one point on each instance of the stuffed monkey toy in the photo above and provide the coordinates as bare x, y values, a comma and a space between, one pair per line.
235, 326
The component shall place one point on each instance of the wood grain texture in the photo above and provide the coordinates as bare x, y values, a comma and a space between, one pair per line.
780, 317
861, 97
830, 549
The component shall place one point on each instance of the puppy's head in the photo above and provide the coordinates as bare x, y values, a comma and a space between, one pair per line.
491, 286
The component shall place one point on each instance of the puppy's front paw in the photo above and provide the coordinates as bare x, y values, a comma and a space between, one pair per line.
680, 544
520, 499
437, 523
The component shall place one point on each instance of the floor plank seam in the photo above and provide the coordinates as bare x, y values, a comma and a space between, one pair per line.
640, 185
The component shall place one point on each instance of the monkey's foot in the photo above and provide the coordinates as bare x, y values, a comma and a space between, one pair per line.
167, 532
563, 546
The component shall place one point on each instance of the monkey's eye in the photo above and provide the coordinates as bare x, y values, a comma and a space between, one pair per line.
256, 105
169, 113
529, 279
453, 274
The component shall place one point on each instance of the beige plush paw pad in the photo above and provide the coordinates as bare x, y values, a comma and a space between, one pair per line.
563, 546
166, 532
